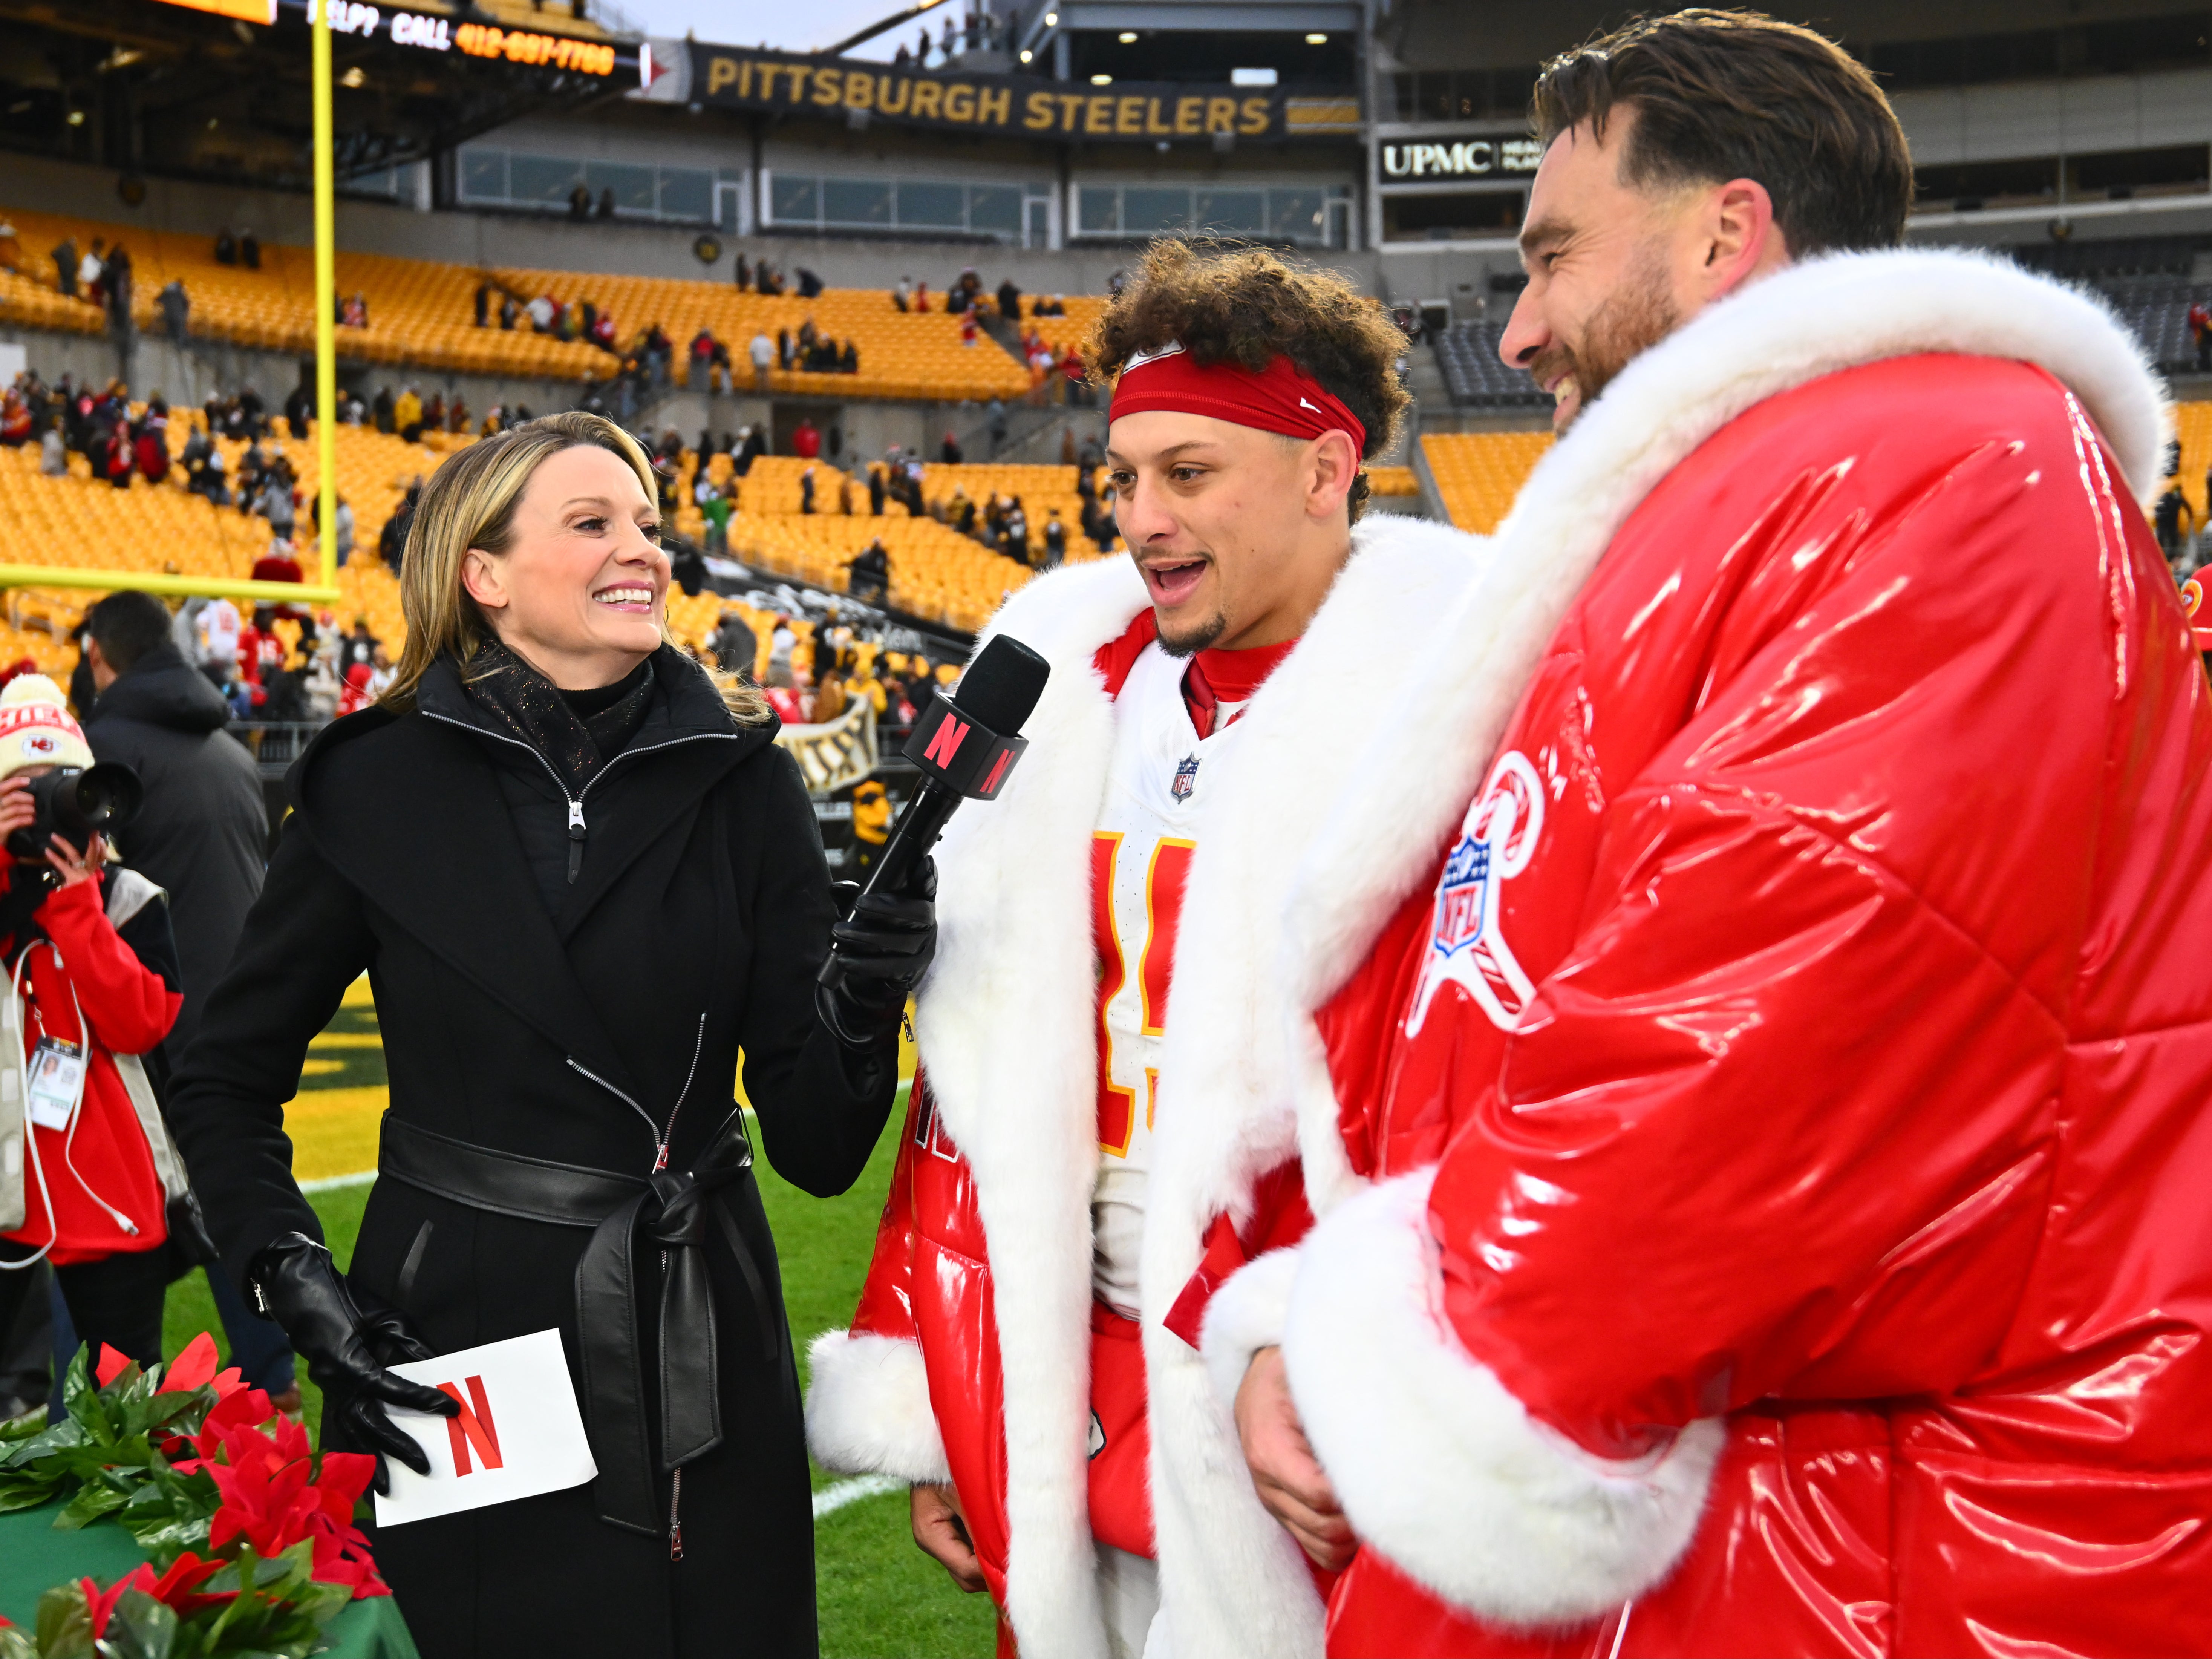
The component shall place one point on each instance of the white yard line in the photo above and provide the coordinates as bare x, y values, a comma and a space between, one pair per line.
830, 1499
331, 1183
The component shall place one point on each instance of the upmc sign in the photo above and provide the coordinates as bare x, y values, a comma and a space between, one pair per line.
1463, 158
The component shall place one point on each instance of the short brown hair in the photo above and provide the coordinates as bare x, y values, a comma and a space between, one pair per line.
1228, 303
1737, 94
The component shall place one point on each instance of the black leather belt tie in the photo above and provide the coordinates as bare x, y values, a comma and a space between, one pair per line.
670, 1211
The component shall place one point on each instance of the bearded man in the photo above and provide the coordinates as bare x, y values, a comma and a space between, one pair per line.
1751, 1030
1195, 730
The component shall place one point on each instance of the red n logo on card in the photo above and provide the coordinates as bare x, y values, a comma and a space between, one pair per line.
472, 1427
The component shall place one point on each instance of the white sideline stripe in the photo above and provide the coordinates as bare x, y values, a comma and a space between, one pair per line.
830, 1499
331, 1183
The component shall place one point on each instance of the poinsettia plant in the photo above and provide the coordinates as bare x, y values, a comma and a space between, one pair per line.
250, 1533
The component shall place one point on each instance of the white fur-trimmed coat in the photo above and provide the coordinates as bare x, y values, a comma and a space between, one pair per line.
1007, 1028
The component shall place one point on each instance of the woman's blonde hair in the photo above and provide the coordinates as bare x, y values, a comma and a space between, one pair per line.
470, 501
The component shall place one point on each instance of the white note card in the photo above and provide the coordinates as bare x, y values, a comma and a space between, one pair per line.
519, 1434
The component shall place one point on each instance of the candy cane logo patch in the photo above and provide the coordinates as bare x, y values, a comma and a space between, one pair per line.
1466, 947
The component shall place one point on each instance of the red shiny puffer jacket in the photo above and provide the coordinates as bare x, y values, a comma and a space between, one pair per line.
1808, 1033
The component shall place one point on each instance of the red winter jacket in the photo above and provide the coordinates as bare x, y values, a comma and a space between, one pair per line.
1781, 1054
129, 1010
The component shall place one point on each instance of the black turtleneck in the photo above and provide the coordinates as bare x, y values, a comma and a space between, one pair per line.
577, 732
612, 714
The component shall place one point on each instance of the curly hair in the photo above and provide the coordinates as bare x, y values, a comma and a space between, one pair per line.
1228, 303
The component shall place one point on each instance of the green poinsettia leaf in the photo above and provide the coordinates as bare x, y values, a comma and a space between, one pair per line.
56, 1437
140, 1627
27, 1492
323, 1602
93, 1500
16, 1643
181, 1412
284, 1573
80, 1400
170, 1514
64, 1625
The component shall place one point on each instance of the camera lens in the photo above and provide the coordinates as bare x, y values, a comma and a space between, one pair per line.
106, 796
77, 805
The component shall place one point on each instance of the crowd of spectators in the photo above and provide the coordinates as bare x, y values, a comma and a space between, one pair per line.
119, 441
979, 32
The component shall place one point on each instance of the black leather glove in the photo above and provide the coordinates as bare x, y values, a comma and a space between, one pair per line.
347, 1346
877, 954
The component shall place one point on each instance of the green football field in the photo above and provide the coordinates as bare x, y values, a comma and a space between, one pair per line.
877, 1593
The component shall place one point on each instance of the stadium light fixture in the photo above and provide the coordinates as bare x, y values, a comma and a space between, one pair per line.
1027, 54
353, 77
1096, 81
1127, 37
1316, 40
1052, 20
76, 118
263, 12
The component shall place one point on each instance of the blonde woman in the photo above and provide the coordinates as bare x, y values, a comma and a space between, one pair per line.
581, 879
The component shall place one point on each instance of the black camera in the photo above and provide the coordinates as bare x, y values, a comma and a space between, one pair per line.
77, 803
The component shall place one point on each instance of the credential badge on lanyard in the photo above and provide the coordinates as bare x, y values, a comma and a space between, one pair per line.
57, 1083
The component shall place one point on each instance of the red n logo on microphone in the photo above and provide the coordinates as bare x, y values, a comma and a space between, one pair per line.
946, 741
472, 1427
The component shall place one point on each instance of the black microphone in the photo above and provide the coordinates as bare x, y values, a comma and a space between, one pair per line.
966, 746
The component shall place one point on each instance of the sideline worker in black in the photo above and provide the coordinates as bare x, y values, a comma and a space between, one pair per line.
581, 878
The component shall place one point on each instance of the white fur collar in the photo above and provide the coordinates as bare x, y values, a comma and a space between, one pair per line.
1232, 1581
1004, 1021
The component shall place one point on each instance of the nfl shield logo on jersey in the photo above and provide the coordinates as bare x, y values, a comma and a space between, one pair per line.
1466, 947
1186, 779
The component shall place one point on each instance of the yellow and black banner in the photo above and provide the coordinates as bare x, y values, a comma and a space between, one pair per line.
831, 755
1018, 105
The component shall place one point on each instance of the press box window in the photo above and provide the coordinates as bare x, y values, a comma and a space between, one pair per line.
1450, 216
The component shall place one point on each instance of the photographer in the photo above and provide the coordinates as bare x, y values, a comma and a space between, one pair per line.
581, 878
88, 949
200, 837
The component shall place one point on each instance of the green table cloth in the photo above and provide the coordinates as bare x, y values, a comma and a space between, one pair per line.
35, 1557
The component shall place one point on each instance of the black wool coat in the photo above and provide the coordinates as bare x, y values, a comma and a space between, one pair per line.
202, 834
700, 915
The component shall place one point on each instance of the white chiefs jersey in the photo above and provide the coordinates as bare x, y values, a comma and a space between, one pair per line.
1141, 855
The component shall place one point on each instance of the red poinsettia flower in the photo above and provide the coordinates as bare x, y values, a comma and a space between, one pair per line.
100, 1604
242, 1408
266, 1498
111, 1365
342, 1554
178, 1586
193, 1369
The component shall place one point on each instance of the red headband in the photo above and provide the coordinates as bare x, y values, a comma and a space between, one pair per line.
1282, 398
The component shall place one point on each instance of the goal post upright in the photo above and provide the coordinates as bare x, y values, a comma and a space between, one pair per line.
326, 359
